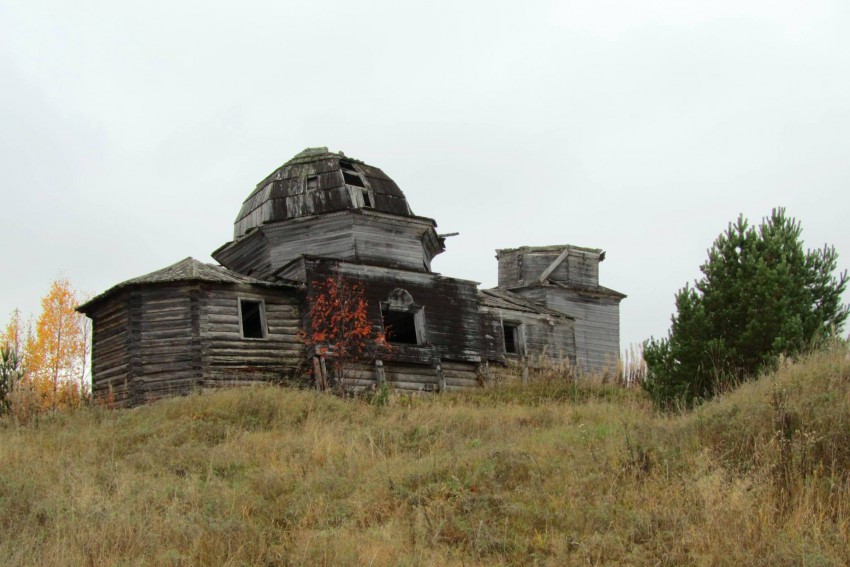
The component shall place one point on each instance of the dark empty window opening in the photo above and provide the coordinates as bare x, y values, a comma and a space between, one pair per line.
312, 183
367, 201
352, 179
511, 333
252, 319
346, 165
400, 327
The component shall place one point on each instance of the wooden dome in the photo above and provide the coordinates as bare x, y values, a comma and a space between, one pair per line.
316, 182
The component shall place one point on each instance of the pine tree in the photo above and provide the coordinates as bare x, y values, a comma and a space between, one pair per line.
761, 295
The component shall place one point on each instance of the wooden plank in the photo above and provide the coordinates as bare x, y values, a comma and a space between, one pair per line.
551, 267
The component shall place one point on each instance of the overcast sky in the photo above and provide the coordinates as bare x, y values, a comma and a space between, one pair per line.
131, 132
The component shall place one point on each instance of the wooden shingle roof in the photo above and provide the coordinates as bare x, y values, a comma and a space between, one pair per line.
316, 182
186, 270
189, 269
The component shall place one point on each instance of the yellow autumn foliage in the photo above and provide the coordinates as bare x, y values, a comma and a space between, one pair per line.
54, 353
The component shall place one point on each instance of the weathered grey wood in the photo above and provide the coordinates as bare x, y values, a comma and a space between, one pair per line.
571, 265
322, 215
288, 184
172, 336
354, 235
380, 376
551, 268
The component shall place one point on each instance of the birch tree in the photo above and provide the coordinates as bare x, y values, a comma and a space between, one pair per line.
57, 349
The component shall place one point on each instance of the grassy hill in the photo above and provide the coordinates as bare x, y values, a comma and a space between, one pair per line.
550, 474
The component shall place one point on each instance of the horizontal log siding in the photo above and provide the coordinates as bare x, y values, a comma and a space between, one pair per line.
511, 273
544, 342
164, 341
421, 378
413, 377
597, 327
386, 243
524, 267
228, 358
110, 353
581, 269
452, 323
249, 255
493, 335
549, 343
460, 375
351, 237
319, 236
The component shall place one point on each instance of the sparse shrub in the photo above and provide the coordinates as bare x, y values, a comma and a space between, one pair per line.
340, 331
380, 396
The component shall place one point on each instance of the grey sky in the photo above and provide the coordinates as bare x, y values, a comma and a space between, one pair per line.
130, 132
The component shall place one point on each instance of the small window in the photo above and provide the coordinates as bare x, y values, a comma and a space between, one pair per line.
312, 183
512, 338
252, 319
347, 165
367, 201
352, 179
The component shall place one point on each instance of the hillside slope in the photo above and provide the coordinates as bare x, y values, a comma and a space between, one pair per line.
549, 474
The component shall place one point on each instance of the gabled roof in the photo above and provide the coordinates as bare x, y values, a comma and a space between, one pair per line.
503, 299
186, 270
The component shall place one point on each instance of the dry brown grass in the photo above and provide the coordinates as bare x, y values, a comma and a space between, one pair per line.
548, 473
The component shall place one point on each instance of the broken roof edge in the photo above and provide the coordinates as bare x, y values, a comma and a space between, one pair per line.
365, 211
376, 268
185, 270
597, 289
586, 289
307, 155
510, 297
405, 219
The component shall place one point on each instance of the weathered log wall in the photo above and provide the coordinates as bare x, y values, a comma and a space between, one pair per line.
405, 377
362, 236
250, 256
524, 266
452, 324
545, 339
164, 344
110, 352
597, 324
168, 339
230, 359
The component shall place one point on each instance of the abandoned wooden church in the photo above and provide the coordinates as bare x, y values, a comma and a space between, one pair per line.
323, 214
